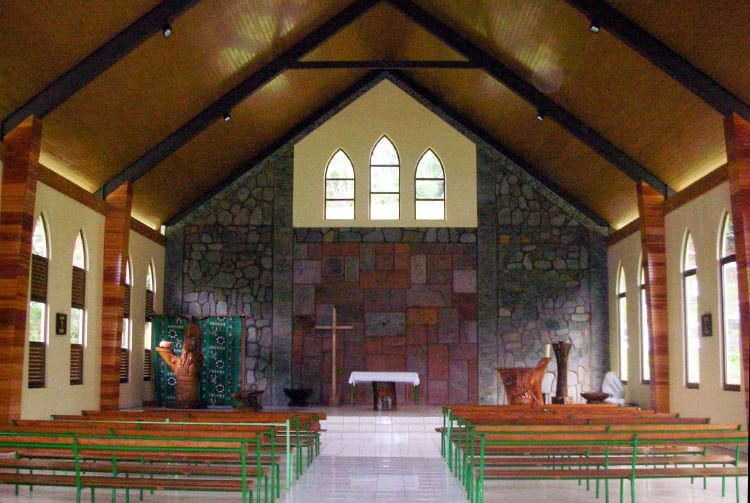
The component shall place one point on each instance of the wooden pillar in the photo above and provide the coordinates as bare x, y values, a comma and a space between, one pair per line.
17, 200
651, 209
116, 237
737, 132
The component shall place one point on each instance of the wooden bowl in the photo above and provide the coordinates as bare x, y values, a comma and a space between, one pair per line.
594, 396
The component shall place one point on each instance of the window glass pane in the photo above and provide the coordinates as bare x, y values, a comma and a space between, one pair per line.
150, 278
430, 210
79, 257
125, 343
384, 207
339, 210
430, 189
689, 262
37, 318
727, 243
39, 240
384, 179
731, 312
429, 166
692, 329
384, 153
645, 340
340, 166
76, 326
339, 189
147, 334
622, 308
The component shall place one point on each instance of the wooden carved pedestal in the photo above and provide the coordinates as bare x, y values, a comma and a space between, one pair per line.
523, 385
561, 355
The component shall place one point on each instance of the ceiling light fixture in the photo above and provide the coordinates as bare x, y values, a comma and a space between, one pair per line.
227, 117
166, 30
595, 27
540, 116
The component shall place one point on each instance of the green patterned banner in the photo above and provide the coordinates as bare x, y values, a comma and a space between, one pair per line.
221, 342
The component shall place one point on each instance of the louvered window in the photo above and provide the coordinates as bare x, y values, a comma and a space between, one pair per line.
37, 328
78, 312
125, 342
124, 365
148, 364
36, 364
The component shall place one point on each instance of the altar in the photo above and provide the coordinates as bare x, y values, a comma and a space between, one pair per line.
388, 390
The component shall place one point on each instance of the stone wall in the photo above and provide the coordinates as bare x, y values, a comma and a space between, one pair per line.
409, 296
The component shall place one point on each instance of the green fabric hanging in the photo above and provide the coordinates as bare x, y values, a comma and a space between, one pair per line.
221, 342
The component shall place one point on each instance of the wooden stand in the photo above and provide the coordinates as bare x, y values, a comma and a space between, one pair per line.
186, 367
523, 385
561, 355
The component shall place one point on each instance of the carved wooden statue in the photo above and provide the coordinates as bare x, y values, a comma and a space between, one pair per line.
186, 366
523, 385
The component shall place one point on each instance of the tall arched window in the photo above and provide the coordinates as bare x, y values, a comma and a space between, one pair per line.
645, 332
730, 312
429, 188
691, 320
148, 355
340, 187
78, 311
126, 328
38, 325
622, 323
384, 181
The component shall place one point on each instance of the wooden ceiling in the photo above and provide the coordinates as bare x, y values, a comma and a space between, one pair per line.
644, 98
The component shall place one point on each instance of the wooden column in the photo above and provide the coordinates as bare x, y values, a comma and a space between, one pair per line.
651, 209
737, 132
116, 237
18, 197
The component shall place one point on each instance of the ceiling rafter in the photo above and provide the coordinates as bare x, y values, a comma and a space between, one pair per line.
216, 110
529, 93
97, 62
664, 58
382, 64
487, 138
252, 163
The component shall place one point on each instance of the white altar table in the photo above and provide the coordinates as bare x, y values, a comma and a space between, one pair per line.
357, 377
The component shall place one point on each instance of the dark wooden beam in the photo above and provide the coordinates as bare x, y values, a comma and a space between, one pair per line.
97, 62
528, 92
252, 163
217, 109
663, 57
464, 122
381, 65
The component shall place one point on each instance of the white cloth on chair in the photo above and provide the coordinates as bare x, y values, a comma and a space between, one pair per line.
614, 388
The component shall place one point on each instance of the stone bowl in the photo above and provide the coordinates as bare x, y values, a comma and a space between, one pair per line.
594, 396
298, 396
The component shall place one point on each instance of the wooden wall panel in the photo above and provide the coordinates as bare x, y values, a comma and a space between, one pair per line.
738, 152
651, 209
20, 174
116, 237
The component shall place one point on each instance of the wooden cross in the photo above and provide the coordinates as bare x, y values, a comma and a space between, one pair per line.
334, 401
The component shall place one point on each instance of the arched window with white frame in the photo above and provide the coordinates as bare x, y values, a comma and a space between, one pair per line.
339, 187
645, 330
126, 328
38, 328
691, 314
78, 311
730, 309
429, 188
384, 181
622, 323
148, 355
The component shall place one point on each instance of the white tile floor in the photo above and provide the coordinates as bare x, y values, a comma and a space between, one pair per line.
394, 457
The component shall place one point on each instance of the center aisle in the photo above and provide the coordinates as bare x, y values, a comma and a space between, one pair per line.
383, 457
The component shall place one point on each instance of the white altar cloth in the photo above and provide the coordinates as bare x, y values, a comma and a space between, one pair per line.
407, 377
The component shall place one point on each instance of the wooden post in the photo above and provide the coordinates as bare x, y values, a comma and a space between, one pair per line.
333, 400
561, 356
737, 133
651, 209
20, 175
116, 237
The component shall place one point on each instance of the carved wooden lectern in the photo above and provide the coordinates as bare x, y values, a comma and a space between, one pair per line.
186, 366
523, 385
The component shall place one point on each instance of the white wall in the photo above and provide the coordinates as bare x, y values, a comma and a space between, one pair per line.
65, 217
702, 217
385, 110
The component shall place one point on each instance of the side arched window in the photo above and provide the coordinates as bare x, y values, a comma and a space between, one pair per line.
730, 309
38, 315
622, 323
691, 316
429, 188
339, 188
78, 311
